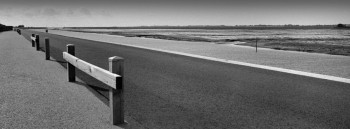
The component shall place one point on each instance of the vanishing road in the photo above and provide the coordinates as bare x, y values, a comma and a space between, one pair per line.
171, 91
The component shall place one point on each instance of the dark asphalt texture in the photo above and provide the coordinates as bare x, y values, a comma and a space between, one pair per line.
172, 91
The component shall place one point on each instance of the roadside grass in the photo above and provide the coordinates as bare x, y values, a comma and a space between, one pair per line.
327, 46
177, 37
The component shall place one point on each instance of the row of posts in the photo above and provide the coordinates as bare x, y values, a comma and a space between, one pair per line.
116, 99
36, 44
18, 31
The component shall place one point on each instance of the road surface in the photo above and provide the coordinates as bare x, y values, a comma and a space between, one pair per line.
172, 91
325, 64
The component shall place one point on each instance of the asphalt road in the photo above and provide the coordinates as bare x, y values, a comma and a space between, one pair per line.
171, 91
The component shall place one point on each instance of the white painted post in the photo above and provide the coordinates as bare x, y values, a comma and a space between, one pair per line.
70, 67
116, 99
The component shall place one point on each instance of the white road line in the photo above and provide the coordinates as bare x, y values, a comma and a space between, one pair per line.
308, 74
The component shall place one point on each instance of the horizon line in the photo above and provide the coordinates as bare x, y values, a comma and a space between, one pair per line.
261, 25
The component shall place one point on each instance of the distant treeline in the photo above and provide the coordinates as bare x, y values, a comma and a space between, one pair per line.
5, 28
35, 28
342, 26
218, 27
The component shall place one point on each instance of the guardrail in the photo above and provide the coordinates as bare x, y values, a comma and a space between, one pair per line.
36, 42
113, 78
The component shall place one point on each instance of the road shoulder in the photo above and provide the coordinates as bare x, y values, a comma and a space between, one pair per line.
35, 92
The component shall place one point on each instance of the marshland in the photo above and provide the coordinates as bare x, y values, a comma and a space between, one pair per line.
328, 40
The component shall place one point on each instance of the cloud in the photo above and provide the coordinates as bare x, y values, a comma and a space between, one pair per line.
105, 12
70, 12
85, 11
6, 11
28, 14
49, 12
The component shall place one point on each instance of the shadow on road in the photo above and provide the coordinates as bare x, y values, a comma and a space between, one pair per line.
58, 61
99, 92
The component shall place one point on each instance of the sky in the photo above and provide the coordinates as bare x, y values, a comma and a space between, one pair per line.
69, 13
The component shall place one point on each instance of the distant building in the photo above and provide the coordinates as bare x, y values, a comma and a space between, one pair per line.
20, 26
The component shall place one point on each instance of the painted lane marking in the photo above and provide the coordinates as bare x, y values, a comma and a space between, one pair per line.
296, 72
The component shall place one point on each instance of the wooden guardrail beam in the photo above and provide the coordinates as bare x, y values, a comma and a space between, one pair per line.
92, 70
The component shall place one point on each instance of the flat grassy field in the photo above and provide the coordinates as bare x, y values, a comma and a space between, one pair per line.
328, 41
327, 46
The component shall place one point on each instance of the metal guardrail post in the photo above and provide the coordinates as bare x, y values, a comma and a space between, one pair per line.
116, 98
37, 44
47, 48
70, 67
